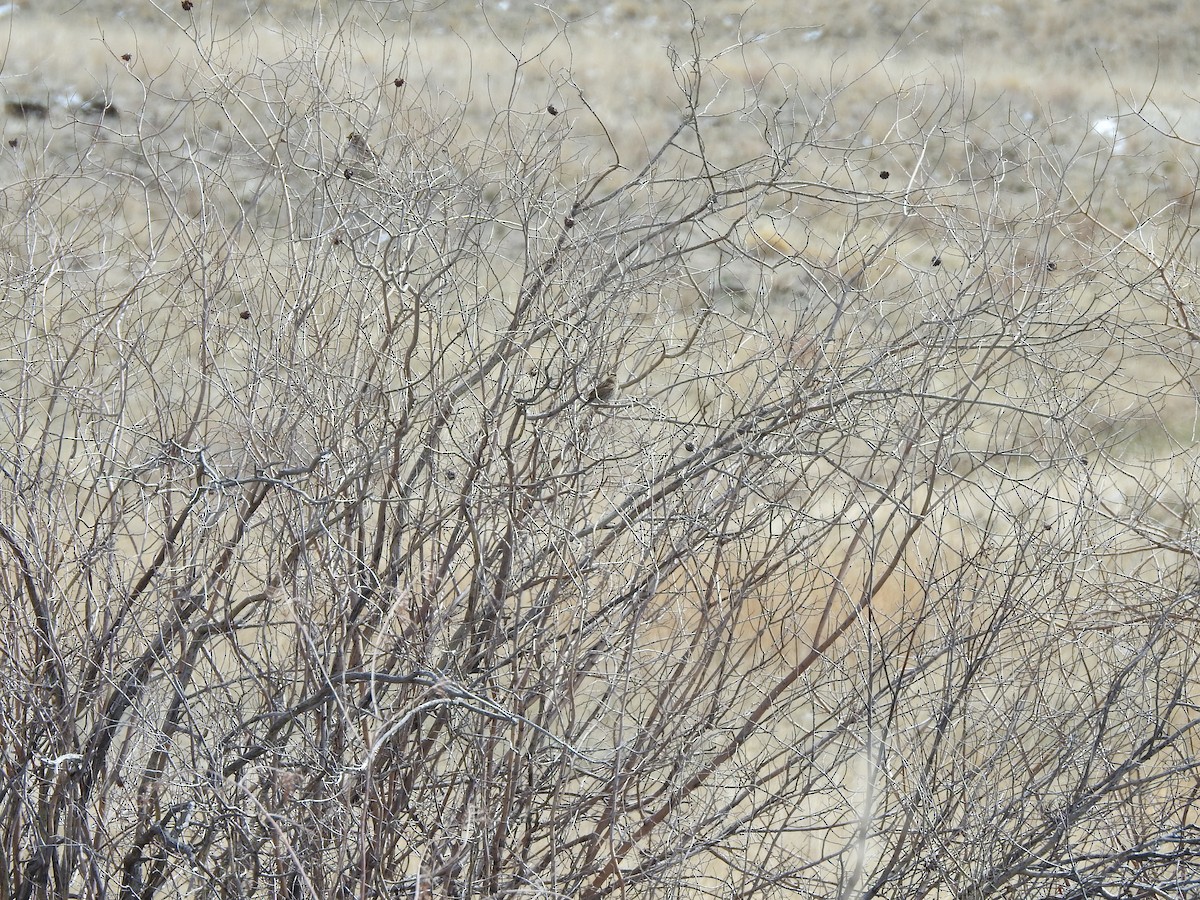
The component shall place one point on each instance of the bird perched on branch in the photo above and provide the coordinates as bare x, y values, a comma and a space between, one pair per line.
356, 145
605, 390
358, 160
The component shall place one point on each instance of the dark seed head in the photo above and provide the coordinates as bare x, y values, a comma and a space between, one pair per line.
552, 109
885, 174
244, 314
399, 82
937, 261
187, 5
1051, 265
12, 142
689, 447
349, 173
569, 222
126, 57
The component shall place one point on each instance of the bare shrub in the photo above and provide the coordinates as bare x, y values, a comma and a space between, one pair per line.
404, 501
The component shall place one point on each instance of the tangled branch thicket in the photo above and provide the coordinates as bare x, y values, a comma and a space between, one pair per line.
402, 503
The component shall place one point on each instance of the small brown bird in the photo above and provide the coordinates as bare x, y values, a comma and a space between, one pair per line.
605, 389
359, 161
356, 147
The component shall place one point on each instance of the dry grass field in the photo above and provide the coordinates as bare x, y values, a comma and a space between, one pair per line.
567, 449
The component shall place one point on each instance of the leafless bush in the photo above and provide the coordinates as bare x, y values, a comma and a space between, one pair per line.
402, 503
